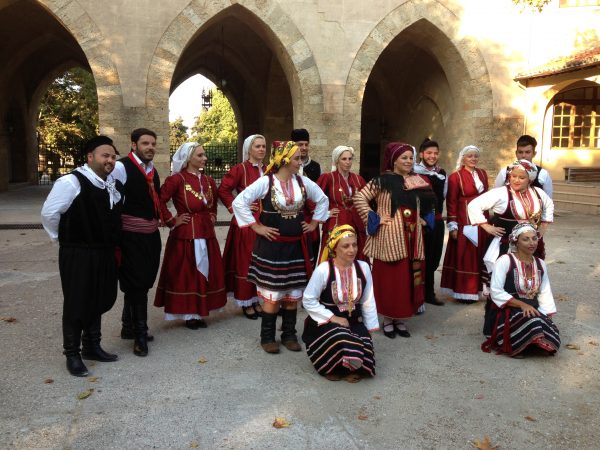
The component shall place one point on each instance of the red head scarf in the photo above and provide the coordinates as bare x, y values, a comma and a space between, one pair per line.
392, 151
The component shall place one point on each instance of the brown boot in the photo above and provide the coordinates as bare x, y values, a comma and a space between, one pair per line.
267, 333
288, 330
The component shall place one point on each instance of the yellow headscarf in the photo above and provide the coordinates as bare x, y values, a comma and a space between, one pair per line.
336, 234
281, 153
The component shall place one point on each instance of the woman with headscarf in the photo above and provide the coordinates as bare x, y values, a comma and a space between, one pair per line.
341, 311
191, 282
340, 185
463, 261
517, 202
402, 201
281, 262
240, 241
519, 315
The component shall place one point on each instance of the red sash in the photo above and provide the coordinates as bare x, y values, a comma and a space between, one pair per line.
150, 181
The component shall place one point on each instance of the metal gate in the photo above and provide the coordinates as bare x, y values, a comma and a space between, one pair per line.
221, 158
55, 161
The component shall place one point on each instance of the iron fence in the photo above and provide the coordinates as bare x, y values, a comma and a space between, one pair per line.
55, 161
221, 158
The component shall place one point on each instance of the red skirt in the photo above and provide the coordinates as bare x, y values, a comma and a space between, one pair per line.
181, 288
398, 287
236, 261
463, 264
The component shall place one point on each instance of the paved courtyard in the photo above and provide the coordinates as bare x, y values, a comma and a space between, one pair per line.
216, 388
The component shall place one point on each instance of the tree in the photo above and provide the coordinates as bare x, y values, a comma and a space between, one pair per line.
534, 4
218, 124
69, 112
177, 133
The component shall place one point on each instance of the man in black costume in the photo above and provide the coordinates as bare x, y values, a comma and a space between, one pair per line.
83, 212
140, 238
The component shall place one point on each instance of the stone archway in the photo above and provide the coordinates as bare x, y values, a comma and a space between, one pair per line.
413, 77
272, 74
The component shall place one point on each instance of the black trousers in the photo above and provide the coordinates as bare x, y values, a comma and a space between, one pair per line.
434, 243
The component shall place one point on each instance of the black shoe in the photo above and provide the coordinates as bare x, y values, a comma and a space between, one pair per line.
140, 346
128, 334
403, 333
434, 301
389, 334
97, 353
251, 316
76, 367
194, 324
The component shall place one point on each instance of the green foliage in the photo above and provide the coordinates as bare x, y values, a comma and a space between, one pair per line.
69, 111
533, 4
177, 133
218, 124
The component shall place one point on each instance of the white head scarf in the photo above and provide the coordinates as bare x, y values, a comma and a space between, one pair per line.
519, 229
527, 166
248, 145
463, 152
337, 152
183, 155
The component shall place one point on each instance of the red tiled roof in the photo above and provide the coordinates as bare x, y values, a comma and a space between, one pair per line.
571, 63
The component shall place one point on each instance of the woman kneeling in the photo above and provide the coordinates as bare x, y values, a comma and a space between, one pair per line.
342, 312
519, 315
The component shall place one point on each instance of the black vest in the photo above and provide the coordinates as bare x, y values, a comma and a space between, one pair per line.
137, 201
438, 189
89, 221
312, 170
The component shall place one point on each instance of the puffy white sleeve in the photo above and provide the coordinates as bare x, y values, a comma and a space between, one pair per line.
546, 181
501, 178
312, 294
499, 295
494, 199
369, 309
241, 203
547, 206
119, 173
545, 297
314, 193
64, 191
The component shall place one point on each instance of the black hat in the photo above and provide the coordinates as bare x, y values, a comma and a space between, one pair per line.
300, 134
96, 142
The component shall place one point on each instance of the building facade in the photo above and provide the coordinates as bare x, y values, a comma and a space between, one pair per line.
351, 72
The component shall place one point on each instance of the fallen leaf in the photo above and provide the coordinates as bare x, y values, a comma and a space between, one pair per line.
580, 353
48, 381
363, 417
92, 379
280, 422
594, 343
377, 397
560, 262
193, 444
202, 360
572, 346
85, 394
531, 419
479, 397
562, 298
430, 336
8, 319
485, 444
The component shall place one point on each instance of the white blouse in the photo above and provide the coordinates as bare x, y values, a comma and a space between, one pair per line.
318, 283
497, 200
500, 296
260, 188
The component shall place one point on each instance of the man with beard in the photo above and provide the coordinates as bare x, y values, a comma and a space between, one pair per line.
82, 212
140, 238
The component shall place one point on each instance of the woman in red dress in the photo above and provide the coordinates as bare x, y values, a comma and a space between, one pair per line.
191, 282
339, 186
402, 200
240, 241
463, 262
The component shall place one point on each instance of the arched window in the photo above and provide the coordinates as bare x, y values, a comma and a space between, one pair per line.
576, 118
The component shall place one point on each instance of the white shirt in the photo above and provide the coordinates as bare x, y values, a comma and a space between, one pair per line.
260, 188
500, 296
318, 283
120, 174
544, 179
64, 191
497, 200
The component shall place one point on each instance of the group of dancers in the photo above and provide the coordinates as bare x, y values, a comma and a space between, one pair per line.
380, 245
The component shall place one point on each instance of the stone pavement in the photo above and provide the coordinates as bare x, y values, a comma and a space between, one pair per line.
436, 390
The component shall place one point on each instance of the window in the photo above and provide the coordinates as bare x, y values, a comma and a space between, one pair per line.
576, 119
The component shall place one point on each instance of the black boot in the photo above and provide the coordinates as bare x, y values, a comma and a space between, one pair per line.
91, 343
267, 333
127, 331
288, 330
139, 314
71, 341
